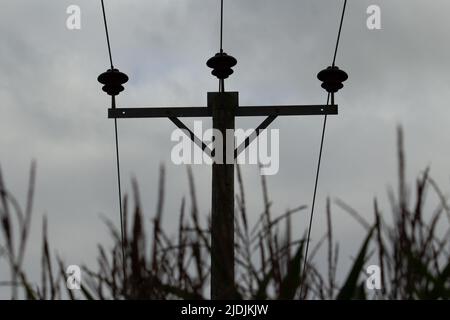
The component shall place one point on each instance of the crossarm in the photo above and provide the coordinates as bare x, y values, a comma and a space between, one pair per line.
194, 112
286, 110
158, 112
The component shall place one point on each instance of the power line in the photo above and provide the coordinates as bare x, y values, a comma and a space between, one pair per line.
221, 25
119, 184
322, 140
120, 198
339, 32
107, 35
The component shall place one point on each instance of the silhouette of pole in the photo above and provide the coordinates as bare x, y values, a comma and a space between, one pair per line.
222, 205
223, 107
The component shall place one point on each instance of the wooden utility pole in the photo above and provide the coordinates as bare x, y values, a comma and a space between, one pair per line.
223, 107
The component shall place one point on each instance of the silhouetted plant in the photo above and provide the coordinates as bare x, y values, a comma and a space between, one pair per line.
414, 261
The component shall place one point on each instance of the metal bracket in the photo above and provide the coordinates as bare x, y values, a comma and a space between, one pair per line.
192, 136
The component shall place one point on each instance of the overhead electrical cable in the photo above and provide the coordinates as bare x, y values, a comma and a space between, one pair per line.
115, 72
322, 140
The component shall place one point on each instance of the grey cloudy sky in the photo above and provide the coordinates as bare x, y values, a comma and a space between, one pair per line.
53, 110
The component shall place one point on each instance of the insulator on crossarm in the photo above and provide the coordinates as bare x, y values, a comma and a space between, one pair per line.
221, 64
113, 81
332, 79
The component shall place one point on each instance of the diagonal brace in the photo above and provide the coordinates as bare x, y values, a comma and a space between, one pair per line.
191, 135
253, 136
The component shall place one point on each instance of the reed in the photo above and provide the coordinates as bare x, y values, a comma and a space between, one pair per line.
414, 260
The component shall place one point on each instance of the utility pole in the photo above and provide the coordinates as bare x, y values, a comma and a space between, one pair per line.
222, 199
223, 107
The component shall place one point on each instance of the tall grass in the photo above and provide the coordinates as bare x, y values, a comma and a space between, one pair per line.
414, 261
